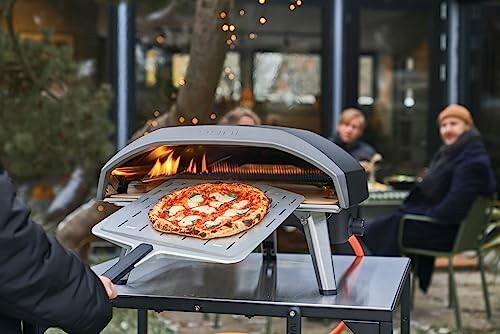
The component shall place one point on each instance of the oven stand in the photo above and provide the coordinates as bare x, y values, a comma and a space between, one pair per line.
318, 241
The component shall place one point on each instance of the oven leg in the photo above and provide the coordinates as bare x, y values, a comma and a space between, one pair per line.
318, 242
293, 321
142, 321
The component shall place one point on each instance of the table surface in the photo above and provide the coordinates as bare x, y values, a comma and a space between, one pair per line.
368, 283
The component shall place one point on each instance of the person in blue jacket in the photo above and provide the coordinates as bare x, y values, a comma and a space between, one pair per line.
458, 173
350, 129
42, 284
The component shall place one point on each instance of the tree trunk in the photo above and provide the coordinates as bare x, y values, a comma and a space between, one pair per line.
195, 98
206, 59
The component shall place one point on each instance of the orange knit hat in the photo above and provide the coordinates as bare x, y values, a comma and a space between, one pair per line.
458, 111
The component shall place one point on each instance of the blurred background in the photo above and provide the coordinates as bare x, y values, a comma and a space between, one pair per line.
80, 79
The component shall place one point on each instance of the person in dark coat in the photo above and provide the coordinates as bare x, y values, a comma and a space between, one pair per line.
459, 172
350, 128
42, 284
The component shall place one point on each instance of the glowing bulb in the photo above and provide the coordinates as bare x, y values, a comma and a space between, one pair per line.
225, 27
182, 82
234, 37
181, 119
154, 124
292, 7
227, 70
299, 3
252, 35
222, 14
156, 113
262, 20
262, 2
229, 42
213, 116
100, 208
194, 120
232, 27
242, 12
230, 76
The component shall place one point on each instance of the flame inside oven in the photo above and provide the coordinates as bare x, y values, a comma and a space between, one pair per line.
165, 161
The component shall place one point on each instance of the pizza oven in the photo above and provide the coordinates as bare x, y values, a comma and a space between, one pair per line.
301, 172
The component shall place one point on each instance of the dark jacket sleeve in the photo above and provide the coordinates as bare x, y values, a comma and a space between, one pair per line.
41, 282
469, 179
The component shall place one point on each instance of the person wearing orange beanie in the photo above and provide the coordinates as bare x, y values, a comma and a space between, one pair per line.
459, 172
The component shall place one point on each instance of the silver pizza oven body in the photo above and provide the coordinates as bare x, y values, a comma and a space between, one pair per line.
302, 172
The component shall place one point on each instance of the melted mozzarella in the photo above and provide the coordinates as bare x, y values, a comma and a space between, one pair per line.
223, 198
174, 209
204, 209
240, 204
215, 204
194, 200
217, 221
234, 212
189, 220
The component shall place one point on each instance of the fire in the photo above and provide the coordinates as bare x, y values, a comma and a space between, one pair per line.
193, 165
171, 165
168, 167
160, 152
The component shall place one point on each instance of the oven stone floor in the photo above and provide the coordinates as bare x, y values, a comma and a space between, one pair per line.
430, 314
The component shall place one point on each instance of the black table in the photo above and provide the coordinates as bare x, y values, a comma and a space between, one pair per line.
369, 290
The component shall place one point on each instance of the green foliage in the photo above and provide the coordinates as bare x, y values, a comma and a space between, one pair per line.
51, 120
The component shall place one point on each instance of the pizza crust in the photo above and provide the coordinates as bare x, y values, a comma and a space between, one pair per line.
238, 207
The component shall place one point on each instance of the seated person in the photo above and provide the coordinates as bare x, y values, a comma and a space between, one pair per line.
350, 128
240, 116
458, 173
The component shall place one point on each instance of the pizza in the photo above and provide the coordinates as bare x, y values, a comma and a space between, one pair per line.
210, 210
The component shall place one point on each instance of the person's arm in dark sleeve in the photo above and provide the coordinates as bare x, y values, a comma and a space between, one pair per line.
41, 282
466, 184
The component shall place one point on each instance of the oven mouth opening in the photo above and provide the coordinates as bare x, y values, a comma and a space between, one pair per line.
230, 163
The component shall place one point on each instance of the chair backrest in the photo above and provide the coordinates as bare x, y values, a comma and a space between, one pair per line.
471, 230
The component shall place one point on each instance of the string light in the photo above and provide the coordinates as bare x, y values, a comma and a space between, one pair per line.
229, 42
234, 37
298, 3
213, 116
230, 76
252, 35
154, 124
262, 20
232, 27
194, 120
181, 119
182, 81
100, 208
156, 113
242, 12
262, 2
225, 27
227, 70
222, 14
292, 7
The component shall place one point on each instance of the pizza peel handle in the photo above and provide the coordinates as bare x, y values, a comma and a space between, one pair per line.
127, 263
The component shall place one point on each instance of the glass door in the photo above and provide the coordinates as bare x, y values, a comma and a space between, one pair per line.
393, 58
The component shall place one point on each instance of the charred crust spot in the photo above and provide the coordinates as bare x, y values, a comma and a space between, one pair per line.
248, 222
229, 224
258, 216
195, 231
202, 234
